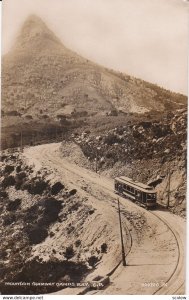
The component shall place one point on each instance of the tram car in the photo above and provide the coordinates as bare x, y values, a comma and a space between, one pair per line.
136, 191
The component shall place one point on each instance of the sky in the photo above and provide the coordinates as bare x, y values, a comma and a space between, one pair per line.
147, 39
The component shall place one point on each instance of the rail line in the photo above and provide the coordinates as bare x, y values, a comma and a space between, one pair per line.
179, 262
178, 257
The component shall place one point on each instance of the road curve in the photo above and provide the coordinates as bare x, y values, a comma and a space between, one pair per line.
174, 282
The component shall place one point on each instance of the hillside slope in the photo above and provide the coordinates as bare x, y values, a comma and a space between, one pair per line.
152, 152
41, 76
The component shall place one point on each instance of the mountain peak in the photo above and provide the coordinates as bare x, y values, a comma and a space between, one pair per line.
35, 19
33, 31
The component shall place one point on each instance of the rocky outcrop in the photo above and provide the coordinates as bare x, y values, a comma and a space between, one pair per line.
149, 151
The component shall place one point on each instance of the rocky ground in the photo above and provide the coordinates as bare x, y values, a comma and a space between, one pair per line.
59, 226
154, 245
35, 209
152, 152
48, 224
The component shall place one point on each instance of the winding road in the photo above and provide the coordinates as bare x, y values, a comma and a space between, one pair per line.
154, 266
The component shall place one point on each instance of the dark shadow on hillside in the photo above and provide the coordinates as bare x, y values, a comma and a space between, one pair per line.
35, 272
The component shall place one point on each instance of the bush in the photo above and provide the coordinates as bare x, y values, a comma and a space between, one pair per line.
72, 192
26, 186
19, 183
110, 155
111, 139
21, 175
40, 216
3, 255
9, 219
3, 194
92, 260
8, 181
19, 180
56, 188
52, 209
104, 248
36, 234
32, 214
18, 168
52, 234
4, 157
35, 187
8, 169
70, 229
77, 243
14, 205
91, 211
69, 253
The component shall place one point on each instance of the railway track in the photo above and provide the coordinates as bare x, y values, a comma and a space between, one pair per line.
167, 289
176, 281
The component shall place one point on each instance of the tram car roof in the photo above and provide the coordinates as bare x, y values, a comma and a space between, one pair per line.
136, 184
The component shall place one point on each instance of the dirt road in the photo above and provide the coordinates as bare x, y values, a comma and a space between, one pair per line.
155, 260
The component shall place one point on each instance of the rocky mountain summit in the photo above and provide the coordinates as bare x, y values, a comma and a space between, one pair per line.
41, 74
33, 33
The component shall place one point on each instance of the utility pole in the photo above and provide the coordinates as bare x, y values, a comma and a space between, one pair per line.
33, 139
169, 185
21, 142
36, 137
56, 133
121, 234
